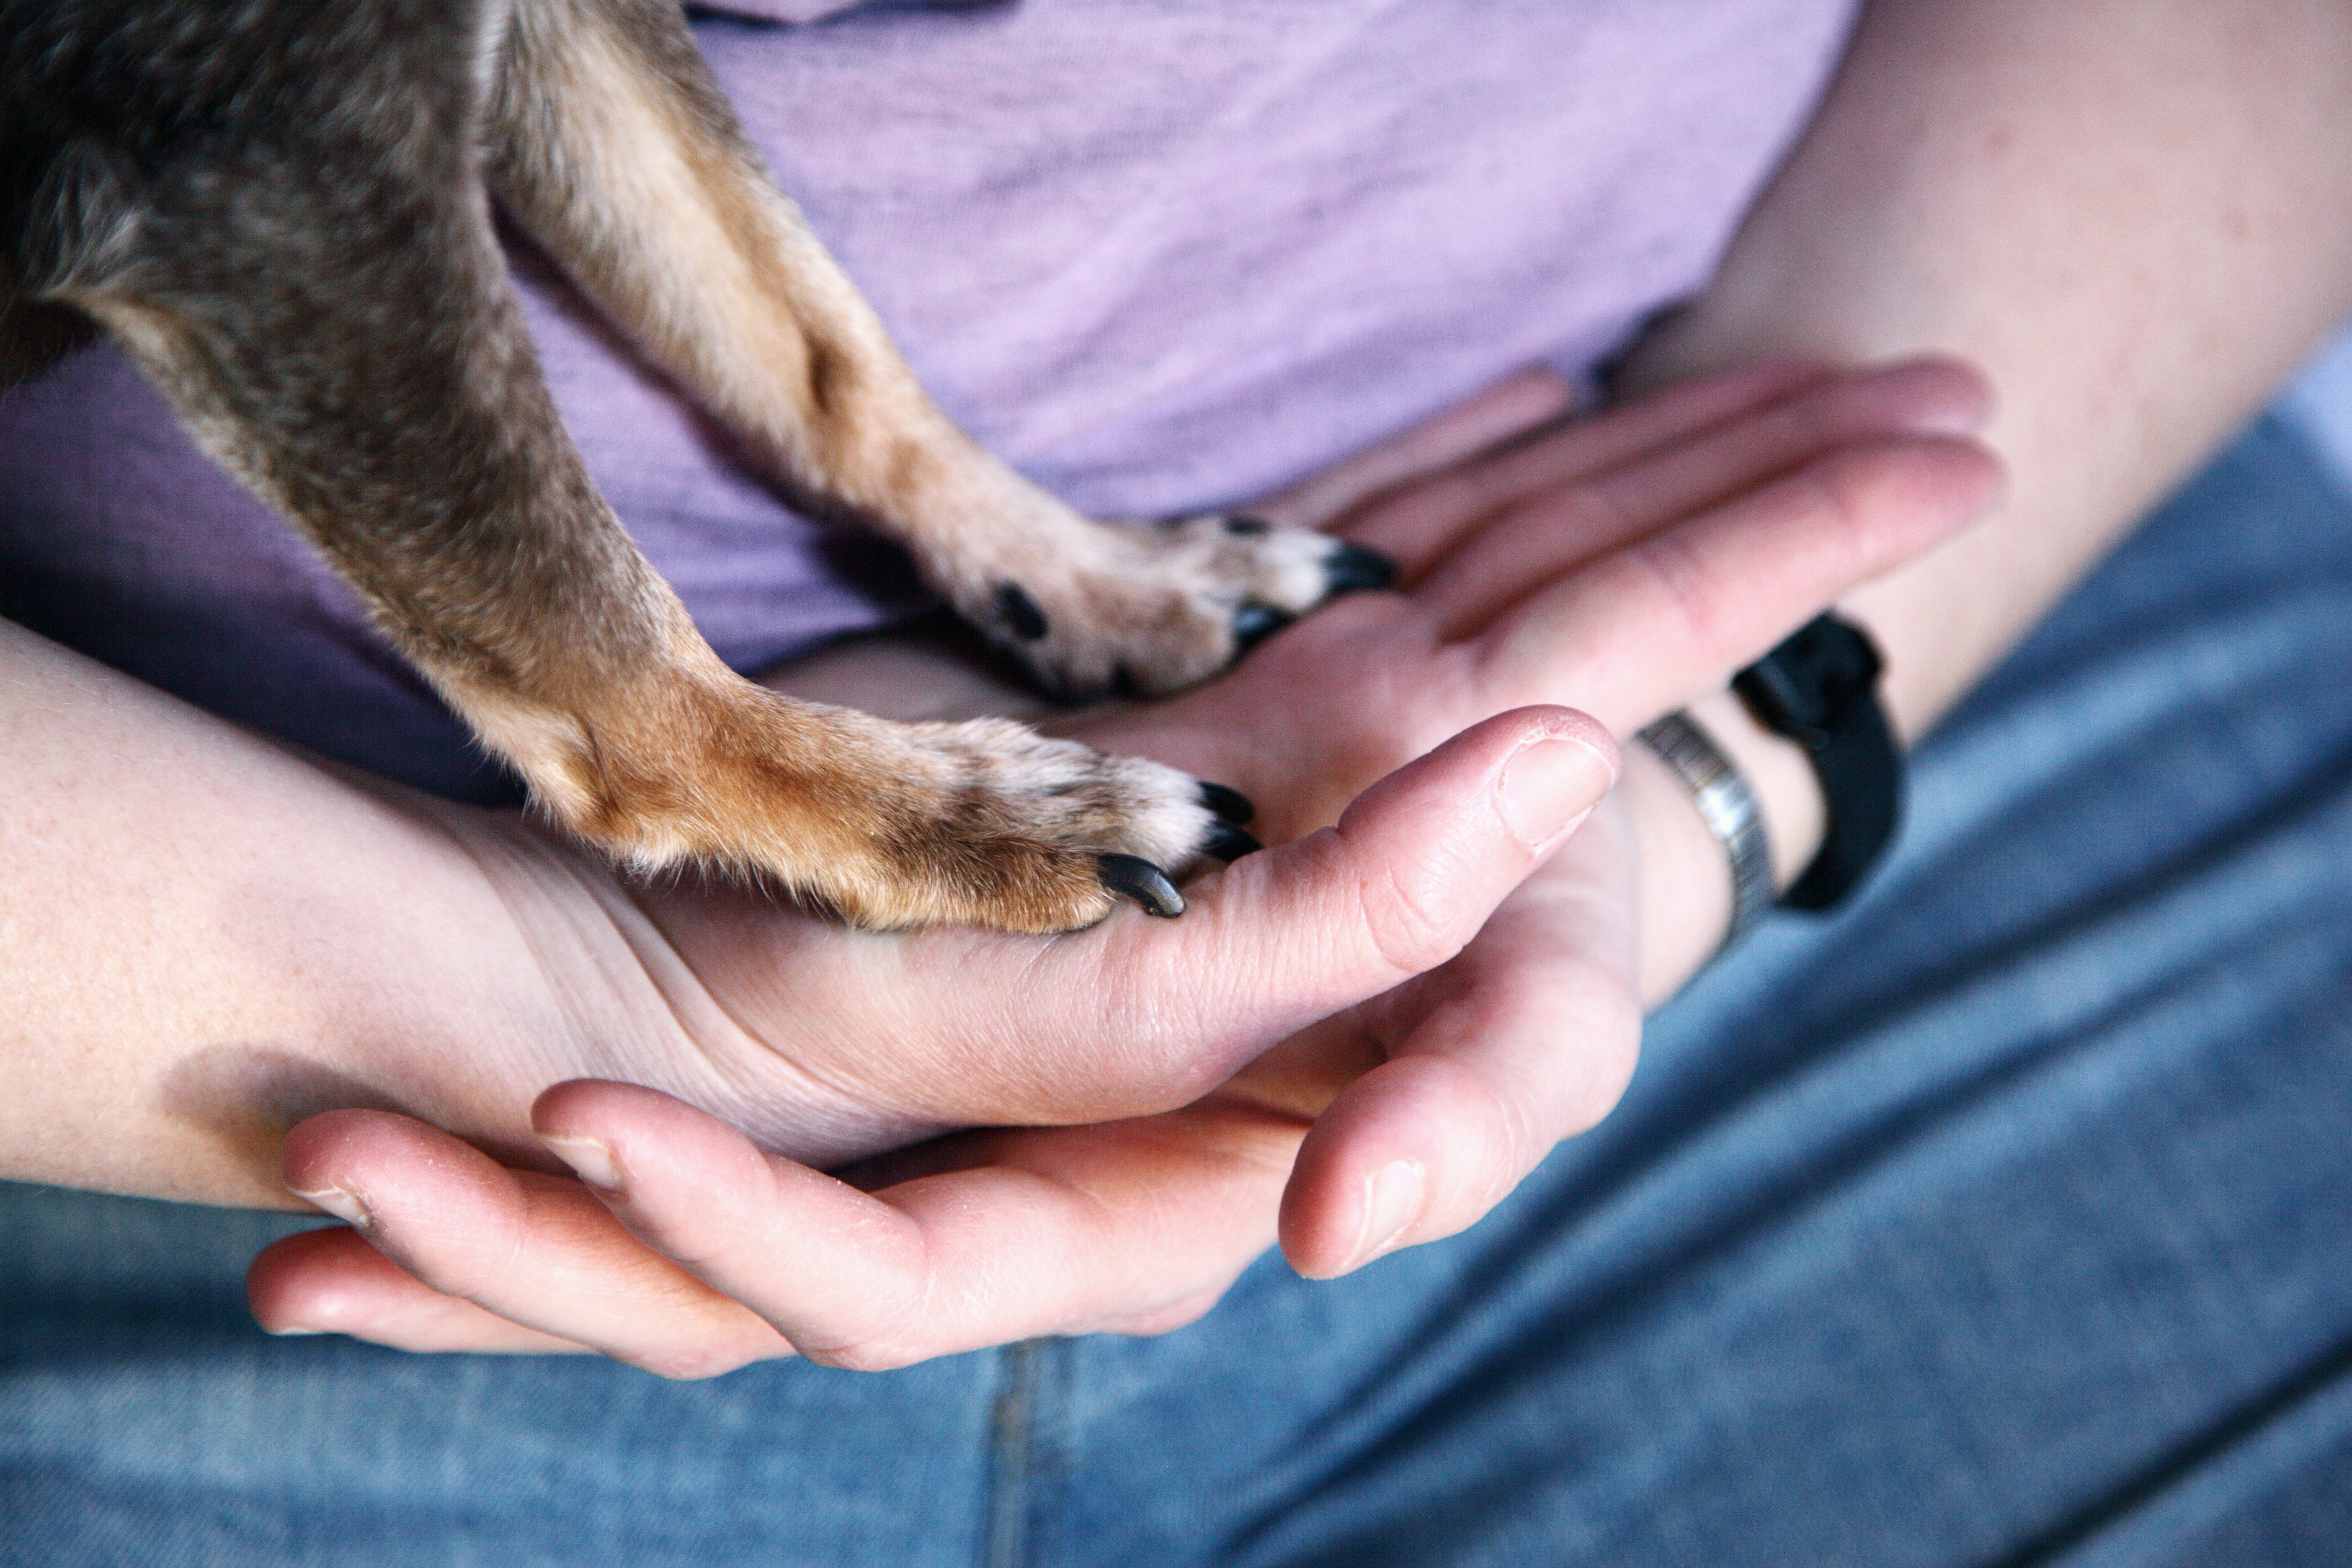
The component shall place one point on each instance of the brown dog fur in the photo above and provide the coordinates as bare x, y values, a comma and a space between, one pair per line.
283, 211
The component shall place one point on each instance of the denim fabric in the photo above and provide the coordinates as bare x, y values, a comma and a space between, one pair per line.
2004, 1218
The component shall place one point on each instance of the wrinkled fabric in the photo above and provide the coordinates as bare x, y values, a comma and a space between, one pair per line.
2005, 1218
1161, 255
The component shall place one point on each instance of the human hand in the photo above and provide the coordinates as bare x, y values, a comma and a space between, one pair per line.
1138, 1224
518, 1255
1600, 566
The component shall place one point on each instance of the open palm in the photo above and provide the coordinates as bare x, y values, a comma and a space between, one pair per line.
1364, 1036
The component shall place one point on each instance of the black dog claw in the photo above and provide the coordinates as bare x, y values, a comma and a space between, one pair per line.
1229, 843
1351, 566
1226, 802
1142, 880
1255, 622
1019, 612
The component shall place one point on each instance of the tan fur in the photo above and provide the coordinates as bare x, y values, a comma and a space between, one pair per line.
378, 387
717, 275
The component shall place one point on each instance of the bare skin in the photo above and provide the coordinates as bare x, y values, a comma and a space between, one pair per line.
173, 1070
1153, 1216
1716, 526
379, 389
2132, 215
536, 966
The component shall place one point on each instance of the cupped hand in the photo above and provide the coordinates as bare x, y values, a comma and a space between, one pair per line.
1625, 565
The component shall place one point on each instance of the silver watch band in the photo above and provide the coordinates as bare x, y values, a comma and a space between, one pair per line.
1728, 807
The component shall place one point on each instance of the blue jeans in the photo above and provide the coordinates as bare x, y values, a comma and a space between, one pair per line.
2004, 1218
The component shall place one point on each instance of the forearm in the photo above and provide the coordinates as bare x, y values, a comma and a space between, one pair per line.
204, 939
2136, 215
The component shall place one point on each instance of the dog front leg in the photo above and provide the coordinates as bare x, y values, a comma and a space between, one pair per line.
609, 140
335, 324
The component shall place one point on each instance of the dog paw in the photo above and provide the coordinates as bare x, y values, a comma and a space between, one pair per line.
1152, 608
1001, 826
983, 822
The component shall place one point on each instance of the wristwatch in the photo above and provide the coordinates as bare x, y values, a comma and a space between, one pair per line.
1820, 689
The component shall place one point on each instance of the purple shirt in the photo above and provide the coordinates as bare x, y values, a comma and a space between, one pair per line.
1161, 255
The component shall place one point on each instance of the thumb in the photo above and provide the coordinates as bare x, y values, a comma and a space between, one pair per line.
1289, 936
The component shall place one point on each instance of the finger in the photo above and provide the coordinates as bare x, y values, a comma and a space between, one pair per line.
1267, 945
1135, 1226
1529, 1039
1653, 624
1514, 405
1567, 523
539, 1252
1410, 873
1416, 526
331, 1282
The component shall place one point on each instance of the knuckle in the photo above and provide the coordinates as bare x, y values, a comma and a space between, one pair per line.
1407, 918
1608, 1026
1465, 493
1602, 1085
886, 1352
691, 1365
1851, 490
897, 1332
1167, 1319
1595, 510
1811, 423
1676, 569
476, 1266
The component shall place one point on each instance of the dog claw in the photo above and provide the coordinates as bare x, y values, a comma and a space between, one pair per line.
1226, 802
1142, 880
1255, 622
1229, 843
1019, 612
1351, 567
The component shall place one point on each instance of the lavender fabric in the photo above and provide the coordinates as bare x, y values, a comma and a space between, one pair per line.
1161, 255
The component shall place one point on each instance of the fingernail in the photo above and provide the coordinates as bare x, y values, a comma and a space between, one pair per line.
1547, 786
339, 1202
294, 1331
1391, 1202
590, 1160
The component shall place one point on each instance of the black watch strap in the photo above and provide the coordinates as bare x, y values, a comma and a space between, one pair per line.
1820, 688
